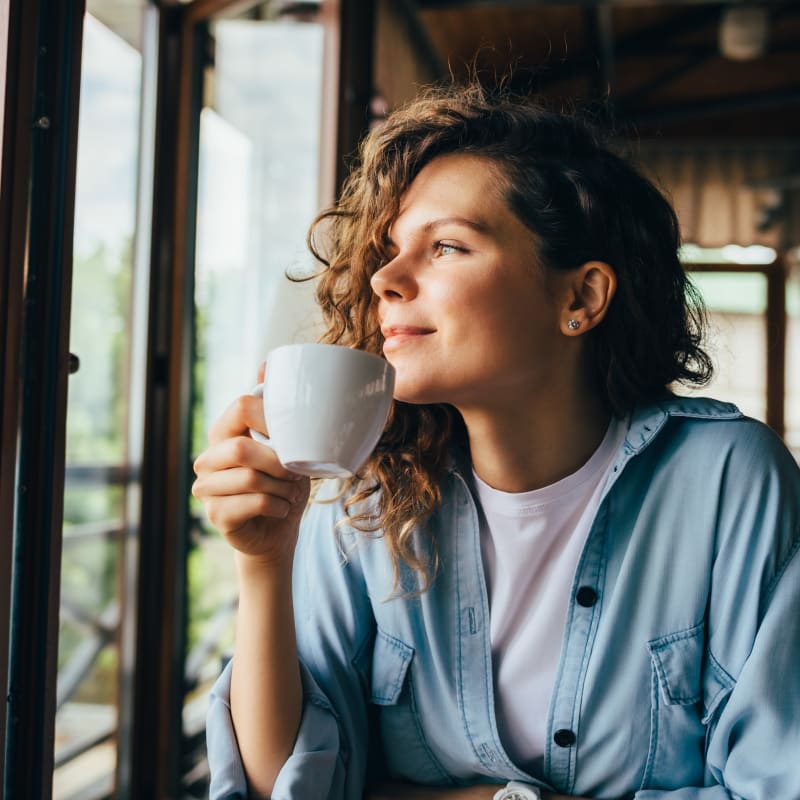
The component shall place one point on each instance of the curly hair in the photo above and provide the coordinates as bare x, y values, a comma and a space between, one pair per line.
581, 200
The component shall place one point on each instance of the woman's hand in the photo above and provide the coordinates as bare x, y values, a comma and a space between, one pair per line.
248, 496
257, 505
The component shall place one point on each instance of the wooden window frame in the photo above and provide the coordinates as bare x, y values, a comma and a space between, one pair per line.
42, 51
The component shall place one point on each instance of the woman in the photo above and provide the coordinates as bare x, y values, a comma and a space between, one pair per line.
552, 572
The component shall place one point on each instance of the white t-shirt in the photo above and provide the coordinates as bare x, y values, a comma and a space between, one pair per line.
531, 543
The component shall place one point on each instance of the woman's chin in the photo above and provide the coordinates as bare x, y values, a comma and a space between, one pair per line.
417, 395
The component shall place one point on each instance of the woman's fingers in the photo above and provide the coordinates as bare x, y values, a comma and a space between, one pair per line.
244, 413
230, 513
241, 451
236, 451
245, 481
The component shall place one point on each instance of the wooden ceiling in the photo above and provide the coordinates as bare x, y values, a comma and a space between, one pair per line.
655, 67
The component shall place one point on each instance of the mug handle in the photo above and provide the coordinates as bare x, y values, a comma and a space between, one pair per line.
258, 391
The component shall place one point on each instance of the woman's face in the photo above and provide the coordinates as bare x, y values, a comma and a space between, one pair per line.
463, 306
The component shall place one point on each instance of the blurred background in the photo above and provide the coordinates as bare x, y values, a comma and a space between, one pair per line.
177, 155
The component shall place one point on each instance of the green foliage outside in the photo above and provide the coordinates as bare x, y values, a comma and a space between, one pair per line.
96, 436
96, 420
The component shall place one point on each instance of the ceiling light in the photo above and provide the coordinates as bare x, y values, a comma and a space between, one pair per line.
743, 32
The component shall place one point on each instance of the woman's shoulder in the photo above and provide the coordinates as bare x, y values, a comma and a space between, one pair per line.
711, 430
724, 459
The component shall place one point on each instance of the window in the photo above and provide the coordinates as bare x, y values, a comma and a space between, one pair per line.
258, 190
748, 293
737, 337
118, 705
101, 441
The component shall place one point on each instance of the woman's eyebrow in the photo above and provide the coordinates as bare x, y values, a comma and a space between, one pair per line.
479, 225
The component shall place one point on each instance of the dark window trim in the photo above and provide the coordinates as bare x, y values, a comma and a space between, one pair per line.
41, 103
151, 713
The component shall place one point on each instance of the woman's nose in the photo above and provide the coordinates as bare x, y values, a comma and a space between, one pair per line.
394, 281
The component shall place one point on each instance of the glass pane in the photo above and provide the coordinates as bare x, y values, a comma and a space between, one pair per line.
96, 488
258, 192
737, 304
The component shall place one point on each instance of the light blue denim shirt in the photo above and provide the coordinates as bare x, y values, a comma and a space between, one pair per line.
679, 676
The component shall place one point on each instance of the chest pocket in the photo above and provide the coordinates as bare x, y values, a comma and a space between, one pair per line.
405, 747
687, 688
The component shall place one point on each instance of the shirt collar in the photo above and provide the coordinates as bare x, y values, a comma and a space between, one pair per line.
648, 420
646, 423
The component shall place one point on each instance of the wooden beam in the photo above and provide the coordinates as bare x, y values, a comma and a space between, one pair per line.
420, 40
776, 324
716, 106
650, 38
666, 77
606, 48
600, 48
202, 10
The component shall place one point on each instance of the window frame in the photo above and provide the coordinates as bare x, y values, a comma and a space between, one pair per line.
42, 53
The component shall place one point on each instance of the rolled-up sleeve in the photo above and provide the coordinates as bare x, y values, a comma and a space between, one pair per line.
334, 625
224, 761
314, 763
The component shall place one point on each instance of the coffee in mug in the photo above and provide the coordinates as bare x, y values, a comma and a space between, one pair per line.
326, 407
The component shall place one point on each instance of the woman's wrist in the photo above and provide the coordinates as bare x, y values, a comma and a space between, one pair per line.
264, 568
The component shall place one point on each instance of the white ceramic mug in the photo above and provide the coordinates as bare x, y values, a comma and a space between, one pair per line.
325, 406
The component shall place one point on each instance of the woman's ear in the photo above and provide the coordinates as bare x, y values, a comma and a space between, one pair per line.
590, 290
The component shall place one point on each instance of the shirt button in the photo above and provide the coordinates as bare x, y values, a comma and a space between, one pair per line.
564, 737
586, 596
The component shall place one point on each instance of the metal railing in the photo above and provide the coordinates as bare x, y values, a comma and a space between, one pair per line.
101, 629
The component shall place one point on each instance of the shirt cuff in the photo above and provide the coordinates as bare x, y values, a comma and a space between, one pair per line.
314, 769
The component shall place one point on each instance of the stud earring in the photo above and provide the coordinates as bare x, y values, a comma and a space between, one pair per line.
573, 324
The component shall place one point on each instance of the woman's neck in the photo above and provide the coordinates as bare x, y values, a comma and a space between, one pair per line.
525, 445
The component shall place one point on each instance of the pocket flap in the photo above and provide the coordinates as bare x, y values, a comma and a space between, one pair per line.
678, 662
390, 661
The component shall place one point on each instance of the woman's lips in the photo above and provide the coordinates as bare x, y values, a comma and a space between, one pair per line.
398, 335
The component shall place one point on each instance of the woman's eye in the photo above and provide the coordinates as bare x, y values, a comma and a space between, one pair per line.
446, 249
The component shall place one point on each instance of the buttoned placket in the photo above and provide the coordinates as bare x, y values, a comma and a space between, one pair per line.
475, 686
583, 619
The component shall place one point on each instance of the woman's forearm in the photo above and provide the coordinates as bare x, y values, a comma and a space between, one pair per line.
266, 692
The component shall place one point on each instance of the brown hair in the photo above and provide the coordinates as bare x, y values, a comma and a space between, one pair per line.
581, 200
